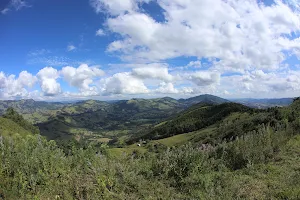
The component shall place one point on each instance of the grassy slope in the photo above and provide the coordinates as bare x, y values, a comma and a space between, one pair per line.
195, 118
9, 128
185, 138
280, 176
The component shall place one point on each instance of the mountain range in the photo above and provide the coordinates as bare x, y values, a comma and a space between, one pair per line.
92, 119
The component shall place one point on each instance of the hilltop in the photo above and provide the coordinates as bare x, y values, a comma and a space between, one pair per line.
206, 98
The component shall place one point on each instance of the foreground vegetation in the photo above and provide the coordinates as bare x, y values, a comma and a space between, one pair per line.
246, 154
263, 165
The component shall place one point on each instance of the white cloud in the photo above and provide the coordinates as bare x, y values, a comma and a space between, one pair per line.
244, 34
48, 81
18, 4
55, 61
5, 11
153, 71
166, 88
81, 77
194, 64
123, 83
115, 7
12, 86
2, 80
27, 79
71, 48
204, 78
38, 52
261, 84
100, 32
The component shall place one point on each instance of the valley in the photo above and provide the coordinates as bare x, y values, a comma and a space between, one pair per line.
110, 121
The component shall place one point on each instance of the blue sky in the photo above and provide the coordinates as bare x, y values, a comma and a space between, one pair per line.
112, 49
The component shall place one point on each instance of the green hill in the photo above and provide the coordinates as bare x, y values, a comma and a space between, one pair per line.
9, 128
197, 117
33, 111
94, 119
14, 122
206, 98
84, 106
98, 118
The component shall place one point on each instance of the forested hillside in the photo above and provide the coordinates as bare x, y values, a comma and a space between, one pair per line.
195, 118
96, 119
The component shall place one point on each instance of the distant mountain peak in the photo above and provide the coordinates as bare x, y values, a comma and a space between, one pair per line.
204, 98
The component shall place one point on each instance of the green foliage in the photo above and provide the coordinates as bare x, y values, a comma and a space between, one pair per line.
253, 148
258, 165
102, 117
17, 118
33, 111
10, 128
206, 98
33, 168
195, 118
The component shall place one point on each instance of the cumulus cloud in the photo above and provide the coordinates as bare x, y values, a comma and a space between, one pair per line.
100, 32
153, 71
194, 64
12, 86
116, 7
81, 77
123, 83
243, 34
48, 81
261, 84
166, 88
204, 78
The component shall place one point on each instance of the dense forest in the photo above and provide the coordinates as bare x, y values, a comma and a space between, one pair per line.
236, 152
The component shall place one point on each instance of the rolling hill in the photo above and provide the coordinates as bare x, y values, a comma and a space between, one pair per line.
126, 115
206, 98
33, 111
196, 117
93, 119
9, 128
12, 123
205, 123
